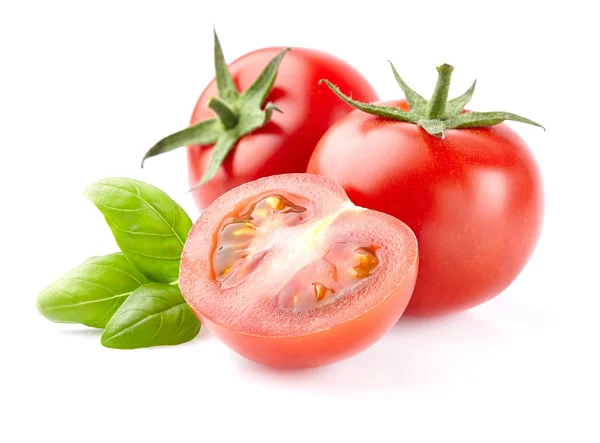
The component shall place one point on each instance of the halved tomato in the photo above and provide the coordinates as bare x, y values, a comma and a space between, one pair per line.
289, 273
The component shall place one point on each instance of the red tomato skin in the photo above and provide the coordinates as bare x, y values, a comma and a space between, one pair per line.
326, 346
286, 142
473, 199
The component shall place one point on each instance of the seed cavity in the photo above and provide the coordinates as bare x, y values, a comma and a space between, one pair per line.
321, 282
234, 255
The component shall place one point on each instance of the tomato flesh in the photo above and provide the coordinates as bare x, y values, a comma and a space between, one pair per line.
286, 142
289, 273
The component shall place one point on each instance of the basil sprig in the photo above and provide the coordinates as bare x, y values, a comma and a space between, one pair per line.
134, 293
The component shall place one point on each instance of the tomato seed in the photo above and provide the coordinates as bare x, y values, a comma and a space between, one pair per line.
320, 291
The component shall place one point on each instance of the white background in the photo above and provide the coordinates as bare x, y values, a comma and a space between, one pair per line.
87, 87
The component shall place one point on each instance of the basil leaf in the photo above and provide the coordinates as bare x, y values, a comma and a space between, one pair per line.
149, 227
156, 314
91, 293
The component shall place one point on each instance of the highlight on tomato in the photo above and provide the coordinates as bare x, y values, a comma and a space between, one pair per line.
466, 183
261, 116
289, 273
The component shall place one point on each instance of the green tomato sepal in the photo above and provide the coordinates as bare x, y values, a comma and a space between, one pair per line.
237, 114
438, 114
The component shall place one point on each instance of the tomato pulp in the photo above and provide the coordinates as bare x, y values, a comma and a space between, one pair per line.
474, 199
289, 273
286, 142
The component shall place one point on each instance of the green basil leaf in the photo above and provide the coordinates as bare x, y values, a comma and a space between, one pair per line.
155, 314
91, 293
149, 227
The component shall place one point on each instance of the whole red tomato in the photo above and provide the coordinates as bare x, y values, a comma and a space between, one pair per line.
235, 137
466, 184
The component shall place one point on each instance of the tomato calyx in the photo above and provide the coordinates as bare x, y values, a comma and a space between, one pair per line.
237, 114
437, 114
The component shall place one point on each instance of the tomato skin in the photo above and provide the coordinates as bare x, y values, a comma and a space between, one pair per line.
473, 199
286, 142
323, 347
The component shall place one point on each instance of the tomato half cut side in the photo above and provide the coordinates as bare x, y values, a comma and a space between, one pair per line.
289, 273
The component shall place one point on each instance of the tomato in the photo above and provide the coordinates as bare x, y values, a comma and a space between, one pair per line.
473, 198
289, 273
284, 144
280, 142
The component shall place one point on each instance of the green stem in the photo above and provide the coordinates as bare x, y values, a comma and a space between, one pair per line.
226, 115
437, 105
